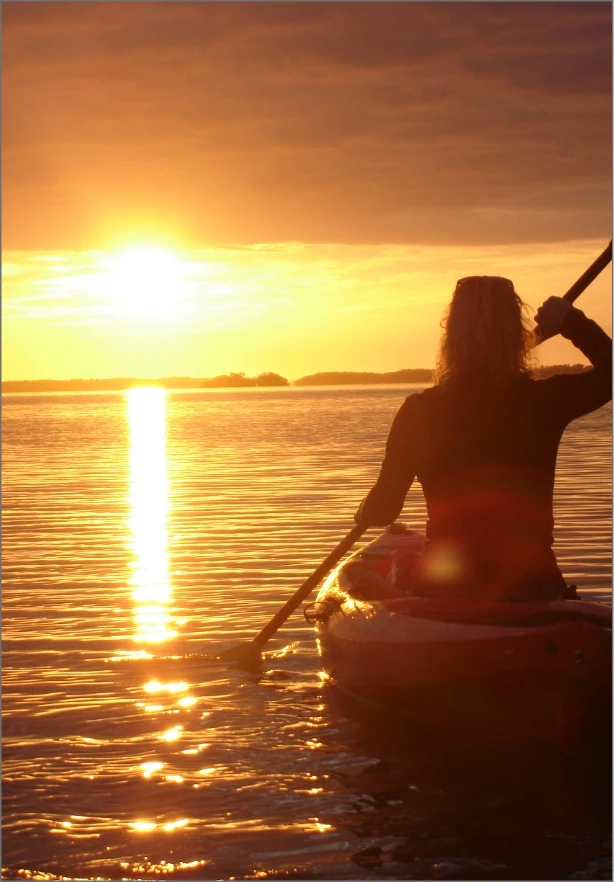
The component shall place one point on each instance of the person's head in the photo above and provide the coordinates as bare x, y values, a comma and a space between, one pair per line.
486, 328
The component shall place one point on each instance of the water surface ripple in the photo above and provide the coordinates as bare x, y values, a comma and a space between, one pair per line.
143, 530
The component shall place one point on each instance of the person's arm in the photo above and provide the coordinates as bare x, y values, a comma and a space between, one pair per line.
384, 502
576, 394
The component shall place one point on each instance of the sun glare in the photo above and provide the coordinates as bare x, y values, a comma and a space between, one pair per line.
145, 282
152, 590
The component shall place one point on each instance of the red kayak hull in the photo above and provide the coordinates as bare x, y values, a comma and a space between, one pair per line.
489, 672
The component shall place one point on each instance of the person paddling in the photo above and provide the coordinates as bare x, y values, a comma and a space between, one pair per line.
483, 443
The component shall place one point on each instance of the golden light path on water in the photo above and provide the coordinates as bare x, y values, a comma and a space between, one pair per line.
133, 518
149, 508
151, 582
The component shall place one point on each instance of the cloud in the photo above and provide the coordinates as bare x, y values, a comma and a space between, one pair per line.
393, 122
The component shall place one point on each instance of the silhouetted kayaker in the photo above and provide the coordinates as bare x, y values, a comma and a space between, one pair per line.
483, 443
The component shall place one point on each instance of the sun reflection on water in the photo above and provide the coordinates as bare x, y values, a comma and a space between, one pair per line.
149, 506
156, 686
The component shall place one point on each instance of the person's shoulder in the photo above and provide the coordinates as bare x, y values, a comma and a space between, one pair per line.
525, 381
425, 394
543, 384
544, 393
414, 402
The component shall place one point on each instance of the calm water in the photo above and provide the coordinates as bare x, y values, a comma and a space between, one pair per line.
142, 526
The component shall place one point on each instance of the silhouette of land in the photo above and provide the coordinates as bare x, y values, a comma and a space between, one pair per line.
411, 375
239, 380
335, 378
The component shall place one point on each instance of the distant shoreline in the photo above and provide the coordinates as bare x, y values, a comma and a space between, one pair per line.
325, 378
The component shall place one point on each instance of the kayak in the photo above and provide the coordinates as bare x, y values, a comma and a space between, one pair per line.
487, 671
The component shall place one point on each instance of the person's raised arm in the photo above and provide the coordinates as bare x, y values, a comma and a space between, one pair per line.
577, 394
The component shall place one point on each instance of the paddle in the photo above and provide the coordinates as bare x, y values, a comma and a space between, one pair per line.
591, 273
584, 281
248, 654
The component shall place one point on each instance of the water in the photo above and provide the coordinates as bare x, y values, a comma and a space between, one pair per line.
142, 530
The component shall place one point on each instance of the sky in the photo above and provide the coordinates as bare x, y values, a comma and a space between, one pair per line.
196, 188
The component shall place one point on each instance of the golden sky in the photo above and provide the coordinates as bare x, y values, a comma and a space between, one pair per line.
197, 188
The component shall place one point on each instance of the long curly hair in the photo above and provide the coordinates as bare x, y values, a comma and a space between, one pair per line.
487, 328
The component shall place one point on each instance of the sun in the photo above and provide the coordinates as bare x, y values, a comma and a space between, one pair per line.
145, 282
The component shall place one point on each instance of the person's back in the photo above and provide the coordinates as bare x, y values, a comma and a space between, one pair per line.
483, 443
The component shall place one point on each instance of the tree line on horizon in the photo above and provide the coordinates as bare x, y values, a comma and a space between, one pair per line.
239, 380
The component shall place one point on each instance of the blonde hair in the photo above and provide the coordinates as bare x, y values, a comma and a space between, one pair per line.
486, 328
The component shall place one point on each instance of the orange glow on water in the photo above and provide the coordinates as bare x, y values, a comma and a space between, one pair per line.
171, 734
150, 768
143, 826
156, 686
148, 826
162, 868
148, 517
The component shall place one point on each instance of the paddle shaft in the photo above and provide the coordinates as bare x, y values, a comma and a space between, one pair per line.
590, 275
583, 282
308, 585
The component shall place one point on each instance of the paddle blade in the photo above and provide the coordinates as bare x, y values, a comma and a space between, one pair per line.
244, 655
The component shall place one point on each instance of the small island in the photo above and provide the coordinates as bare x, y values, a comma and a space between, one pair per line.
239, 380
542, 373
355, 378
